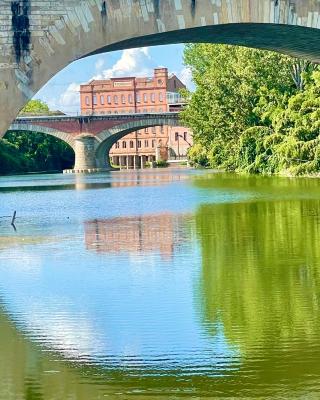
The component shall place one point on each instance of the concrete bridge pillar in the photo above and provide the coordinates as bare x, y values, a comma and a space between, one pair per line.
85, 155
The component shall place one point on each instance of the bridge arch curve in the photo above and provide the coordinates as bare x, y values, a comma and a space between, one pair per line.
67, 30
109, 137
65, 137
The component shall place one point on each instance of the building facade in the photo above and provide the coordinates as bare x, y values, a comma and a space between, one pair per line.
159, 93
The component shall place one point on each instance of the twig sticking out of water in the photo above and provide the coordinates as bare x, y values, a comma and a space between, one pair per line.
13, 220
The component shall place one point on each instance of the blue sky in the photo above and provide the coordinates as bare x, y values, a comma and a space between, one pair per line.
62, 91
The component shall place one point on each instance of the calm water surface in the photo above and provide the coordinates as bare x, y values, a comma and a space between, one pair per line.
159, 285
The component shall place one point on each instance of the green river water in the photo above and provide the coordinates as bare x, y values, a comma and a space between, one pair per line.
159, 285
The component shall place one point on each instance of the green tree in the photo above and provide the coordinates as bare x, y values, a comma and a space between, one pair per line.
32, 151
246, 104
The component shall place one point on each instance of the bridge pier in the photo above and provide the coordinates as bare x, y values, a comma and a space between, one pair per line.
85, 156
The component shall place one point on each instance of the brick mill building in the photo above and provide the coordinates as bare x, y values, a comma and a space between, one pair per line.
159, 93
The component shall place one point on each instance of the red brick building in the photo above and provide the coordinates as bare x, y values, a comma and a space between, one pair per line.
159, 93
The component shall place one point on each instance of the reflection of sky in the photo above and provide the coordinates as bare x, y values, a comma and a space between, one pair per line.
112, 310
49, 210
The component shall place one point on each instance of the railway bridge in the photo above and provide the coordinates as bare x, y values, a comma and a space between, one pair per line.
92, 137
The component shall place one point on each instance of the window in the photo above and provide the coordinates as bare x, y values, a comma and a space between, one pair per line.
109, 99
102, 99
160, 97
138, 98
185, 135
146, 130
145, 110
124, 145
154, 130
130, 98
95, 101
117, 145
153, 97
145, 98
115, 99
131, 144
139, 144
123, 99
177, 136
153, 143
87, 101
146, 143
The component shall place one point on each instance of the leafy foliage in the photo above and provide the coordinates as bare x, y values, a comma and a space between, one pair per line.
34, 152
253, 111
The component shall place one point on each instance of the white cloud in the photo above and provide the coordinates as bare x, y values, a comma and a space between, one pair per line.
68, 101
133, 62
99, 64
185, 75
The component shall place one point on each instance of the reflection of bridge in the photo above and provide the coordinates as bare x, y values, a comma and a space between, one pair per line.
92, 137
42, 37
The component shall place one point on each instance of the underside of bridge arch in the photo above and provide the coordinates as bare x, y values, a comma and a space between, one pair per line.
296, 41
65, 137
109, 137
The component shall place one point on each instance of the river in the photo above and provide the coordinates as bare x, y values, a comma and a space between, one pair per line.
159, 284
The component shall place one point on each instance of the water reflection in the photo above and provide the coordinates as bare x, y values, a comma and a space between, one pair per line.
161, 234
218, 300
260, 280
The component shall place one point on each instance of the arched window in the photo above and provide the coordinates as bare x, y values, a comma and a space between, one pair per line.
102, 99
124, 145
123, 99
115, 99
131, 144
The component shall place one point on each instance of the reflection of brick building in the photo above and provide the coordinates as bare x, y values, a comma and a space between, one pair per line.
159, 93
153, 233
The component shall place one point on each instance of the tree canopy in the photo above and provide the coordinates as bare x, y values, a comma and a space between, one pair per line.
252, 110
31, 151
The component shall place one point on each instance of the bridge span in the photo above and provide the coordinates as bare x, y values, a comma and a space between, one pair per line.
39, 38
92, 136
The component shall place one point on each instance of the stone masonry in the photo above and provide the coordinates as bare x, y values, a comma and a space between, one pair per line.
38, 38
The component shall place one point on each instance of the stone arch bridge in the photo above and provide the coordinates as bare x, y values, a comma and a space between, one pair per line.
91, 137
39, 38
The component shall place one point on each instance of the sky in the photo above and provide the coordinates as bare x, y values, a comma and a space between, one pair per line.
62, 91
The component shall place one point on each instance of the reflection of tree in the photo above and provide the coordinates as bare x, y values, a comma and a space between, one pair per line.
261, 280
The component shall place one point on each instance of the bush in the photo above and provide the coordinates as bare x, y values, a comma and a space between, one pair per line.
161, 164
